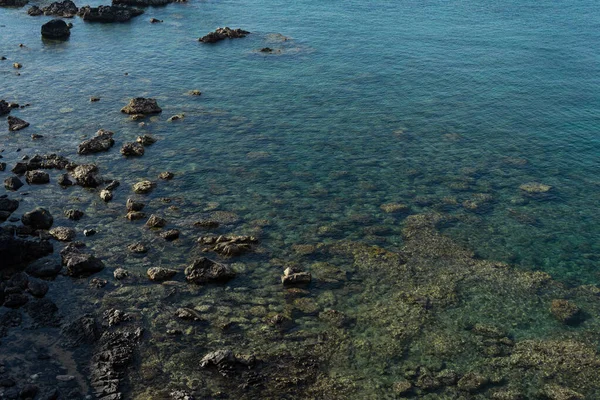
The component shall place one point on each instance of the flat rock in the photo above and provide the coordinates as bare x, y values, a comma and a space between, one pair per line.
160, 274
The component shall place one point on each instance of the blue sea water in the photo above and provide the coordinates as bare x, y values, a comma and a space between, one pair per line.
430, 104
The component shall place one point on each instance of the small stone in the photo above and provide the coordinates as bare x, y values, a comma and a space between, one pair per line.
166, 175
106, 195
170, 235
138, 248
143, 187
35, 136
154, 20
135, 215
194, 92
160, 274
73, 214
266, 50
89, 232
17, 65
134, 206
176, 117
13, 183
156, 222
98, 283
94, 99
146, 140
120, 274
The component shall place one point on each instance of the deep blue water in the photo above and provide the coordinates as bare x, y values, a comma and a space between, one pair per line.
368, 103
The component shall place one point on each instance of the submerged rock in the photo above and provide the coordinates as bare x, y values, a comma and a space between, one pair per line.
138, 248
65, 9
170, 235
292, 276
106, 14
176, 117
44, 268
73, 214
37, 177
203, 270
228, 245
141, 105
160, 274
101, 142
535, 188
40, 218
565, 311
135, 215
16, 124
56, 29
166, 175
132, 149
13, 183
223, 33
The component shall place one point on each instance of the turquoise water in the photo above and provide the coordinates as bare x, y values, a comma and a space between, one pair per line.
425, 103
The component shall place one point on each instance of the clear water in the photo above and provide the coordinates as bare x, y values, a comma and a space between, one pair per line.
425, 103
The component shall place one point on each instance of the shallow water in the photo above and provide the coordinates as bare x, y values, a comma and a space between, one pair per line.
428, 104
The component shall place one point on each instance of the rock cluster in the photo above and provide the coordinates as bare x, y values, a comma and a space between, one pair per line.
222, 34
114, 13
141, 105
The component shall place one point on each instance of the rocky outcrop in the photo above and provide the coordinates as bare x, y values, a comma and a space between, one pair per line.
132, 149
16, 124
65, 9
17, 252
141, 105
40, 218
203, 270
86, 175
101, 142
106, 14
222, 34
56, 29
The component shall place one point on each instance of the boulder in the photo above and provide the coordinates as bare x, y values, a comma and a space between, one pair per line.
86, 175
156, 222
56, 29
40, 218
63, 233
101, 142
16, 124
170, 235
160, 274
13, 3
141, 105
203, 270
143, 187
37, 177
37, 287
44, 268
223, 33
114, 13
132, 149
81, 264
4, 107
65, 9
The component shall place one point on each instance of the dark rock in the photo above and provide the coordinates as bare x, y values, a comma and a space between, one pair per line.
166, 175
13, 3
207, 224
4, 107
65, 9
112, 185
63, 233
135, 215
80, 264
86, 175
44, 268
36, 136
18, 282
9, 205
94, 99
89, 232
266, 50
106, 195
64, 180
156, 222
98, 283
48, 161
37, 177
134, 206
101, 142
170, 235
146, 140
56, 29
34, 11
138, 248
143, 3
2, 166
73, 214
83, 330
115, 317
292, 276
29, 391
159, 274
132, 149
223, 33
203, 270
37, 287
154, 20
40, 218
16, 124
15, 300
20, 168
106, 14
227, 245
120, 273
140, 105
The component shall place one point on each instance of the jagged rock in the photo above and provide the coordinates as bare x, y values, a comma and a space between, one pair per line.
132, 149
40, 218
16, 124
56, 29
134, 205
156, 222
145, 140
74, 215
80, 264
120, 273
166, 175
114, 13
48, 161
292, 276
170, 235
135, 215
106, 195
37, 177
141, 105
223, 33
203, 270
83, 330
63, 233
115, 317
86, 175
143, 187
138, 248
227, 245
187, 314
4, 107
101, 142
160, 274
65, 9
